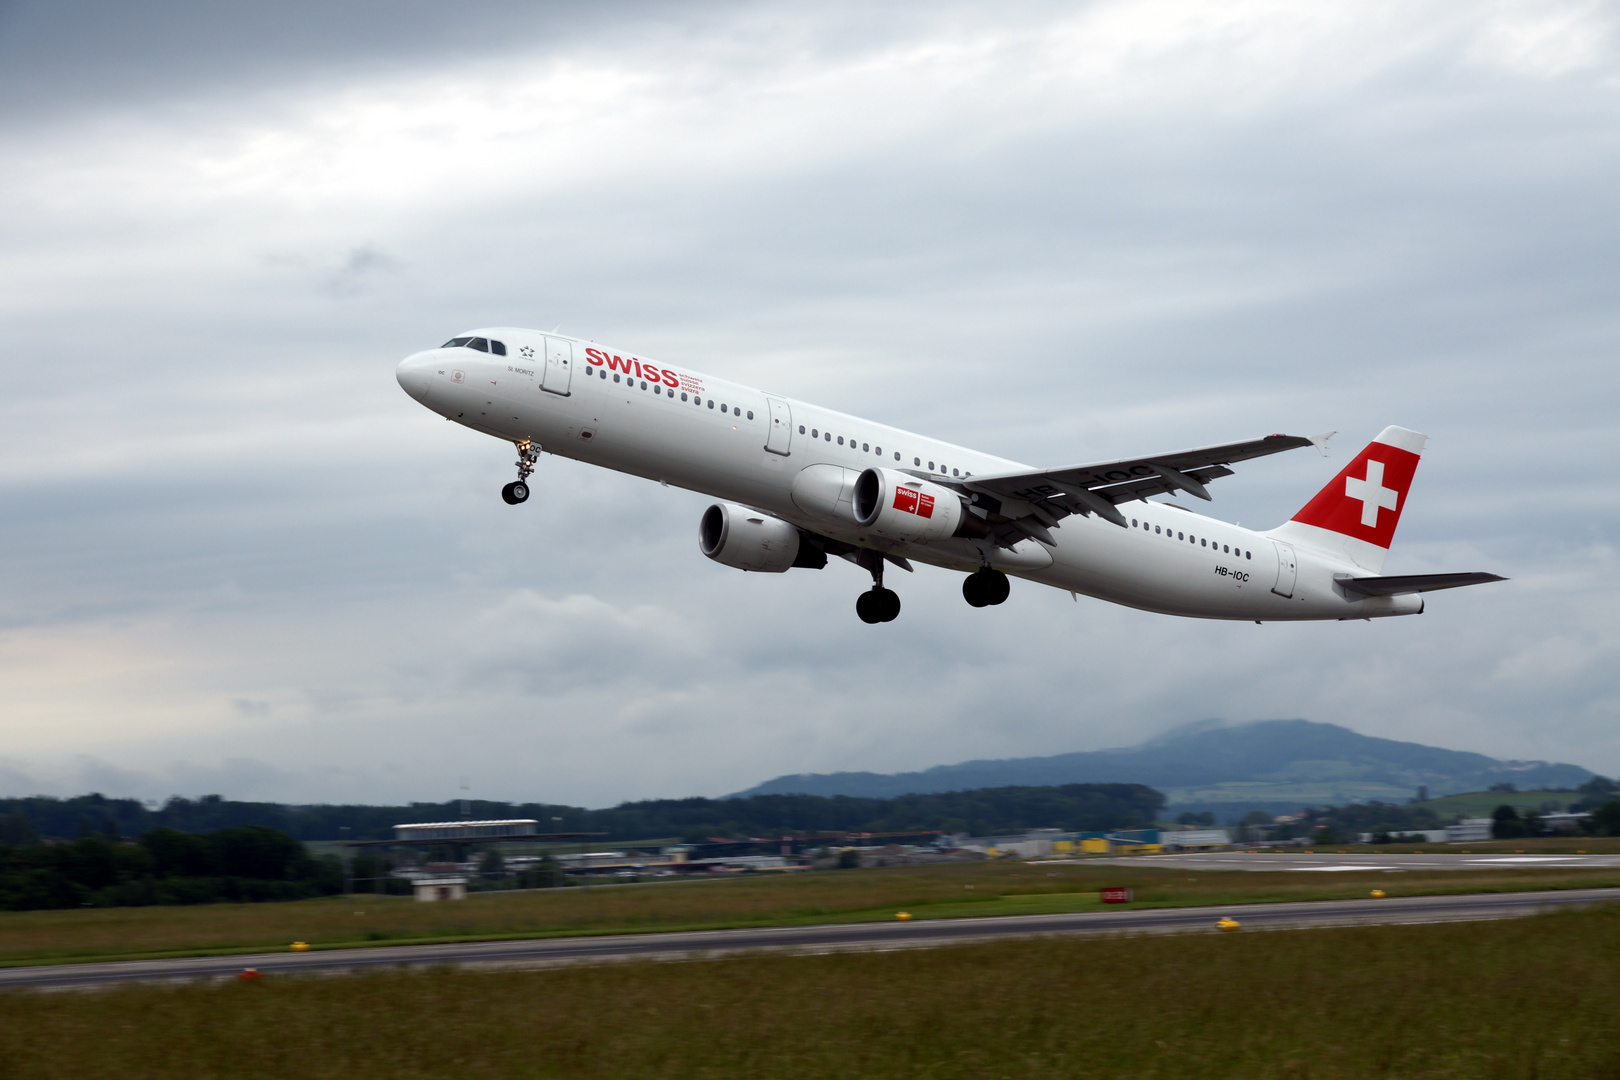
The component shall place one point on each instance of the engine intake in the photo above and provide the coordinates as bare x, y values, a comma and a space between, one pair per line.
736, 536
901, 507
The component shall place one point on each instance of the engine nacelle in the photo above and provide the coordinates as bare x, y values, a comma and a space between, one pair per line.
749, 540
901, 507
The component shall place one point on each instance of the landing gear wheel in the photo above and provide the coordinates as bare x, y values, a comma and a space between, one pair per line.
518, 490
890, 601
986, 587
877, 605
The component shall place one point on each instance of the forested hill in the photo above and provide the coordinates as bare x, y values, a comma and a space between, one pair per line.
994, 810
1276, 753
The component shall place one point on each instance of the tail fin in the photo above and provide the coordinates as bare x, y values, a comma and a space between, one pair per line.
1356, 514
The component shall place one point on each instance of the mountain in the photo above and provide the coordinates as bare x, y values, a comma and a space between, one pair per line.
1271, 764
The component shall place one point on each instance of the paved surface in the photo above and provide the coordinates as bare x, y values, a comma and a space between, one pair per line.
1328, 861
806, 939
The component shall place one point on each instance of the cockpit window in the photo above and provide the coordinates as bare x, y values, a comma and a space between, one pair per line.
478, 343
497, 347
455, 343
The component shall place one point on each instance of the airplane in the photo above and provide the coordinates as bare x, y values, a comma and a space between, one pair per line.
797, 483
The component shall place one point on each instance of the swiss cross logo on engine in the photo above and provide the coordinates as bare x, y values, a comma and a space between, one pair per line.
913, 502
1366, 499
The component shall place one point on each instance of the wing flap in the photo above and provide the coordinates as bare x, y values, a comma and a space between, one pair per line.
1096, 488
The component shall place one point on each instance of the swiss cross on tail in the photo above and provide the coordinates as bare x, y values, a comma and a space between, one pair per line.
1366, 499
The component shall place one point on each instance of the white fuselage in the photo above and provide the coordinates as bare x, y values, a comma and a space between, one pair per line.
799, 462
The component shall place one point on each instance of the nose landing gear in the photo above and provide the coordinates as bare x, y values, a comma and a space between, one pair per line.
518, 490
877, 604
985, 588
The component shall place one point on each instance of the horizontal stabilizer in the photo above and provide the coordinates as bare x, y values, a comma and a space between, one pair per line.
1411, 583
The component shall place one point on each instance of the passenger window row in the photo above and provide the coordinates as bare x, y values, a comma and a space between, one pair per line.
868, 448
481, 344
1200, 541
658, 388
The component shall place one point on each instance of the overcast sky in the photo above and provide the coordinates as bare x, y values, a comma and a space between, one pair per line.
239, 559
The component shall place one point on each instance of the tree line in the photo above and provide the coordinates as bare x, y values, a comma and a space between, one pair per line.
1091, 807
165, 866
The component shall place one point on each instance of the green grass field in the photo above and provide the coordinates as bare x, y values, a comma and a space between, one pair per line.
1482, 803
1524, 998
1005, 888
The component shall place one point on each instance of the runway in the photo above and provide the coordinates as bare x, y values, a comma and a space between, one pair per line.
545, 952
1330, 861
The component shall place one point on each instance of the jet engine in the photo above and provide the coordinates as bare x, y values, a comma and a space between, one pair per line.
901, 507
749, 540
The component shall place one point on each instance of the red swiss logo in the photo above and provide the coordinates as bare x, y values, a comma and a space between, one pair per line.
913, 502
1366, 499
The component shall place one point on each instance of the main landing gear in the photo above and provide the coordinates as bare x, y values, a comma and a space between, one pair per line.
518, 490
986, 587
877, 604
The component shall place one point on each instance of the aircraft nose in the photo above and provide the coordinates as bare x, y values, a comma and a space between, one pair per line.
415, 374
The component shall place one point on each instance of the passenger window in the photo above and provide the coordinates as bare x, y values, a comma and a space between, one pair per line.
658, 388
917, 462
866, 447
815, 433
930, 466
603, 374
897, 455
801, 429
1181, 536
1248, 554
1225, 550
455, 343
750, 414
683, 395
955, 473
1203, 543
878, 451
1133, 523
478, 343
722, 408
711, 403
1155, 528
498, 348
828, 436
840, 441
615, 376
644, 384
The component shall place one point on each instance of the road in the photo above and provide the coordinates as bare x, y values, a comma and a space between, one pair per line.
1330, 861
543, 952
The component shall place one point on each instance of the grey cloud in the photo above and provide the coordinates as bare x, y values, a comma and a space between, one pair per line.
1398, 219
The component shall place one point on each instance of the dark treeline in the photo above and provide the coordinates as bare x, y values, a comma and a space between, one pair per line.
166, 866
988, 810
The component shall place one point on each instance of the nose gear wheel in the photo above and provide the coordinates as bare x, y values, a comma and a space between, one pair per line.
518, 491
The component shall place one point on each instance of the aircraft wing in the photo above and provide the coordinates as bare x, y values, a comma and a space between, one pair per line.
1033, 500
1412, 583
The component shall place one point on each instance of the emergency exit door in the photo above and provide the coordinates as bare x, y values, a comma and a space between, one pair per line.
780, 437
1287, 570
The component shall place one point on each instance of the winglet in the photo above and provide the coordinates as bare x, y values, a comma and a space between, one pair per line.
1321, 441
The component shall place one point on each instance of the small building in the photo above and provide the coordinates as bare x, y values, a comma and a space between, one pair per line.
465, 831
1196, 840
430, 889
1469, 830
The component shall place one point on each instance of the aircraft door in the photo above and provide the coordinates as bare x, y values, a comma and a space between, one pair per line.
559, 366
780, 436
1287, 569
